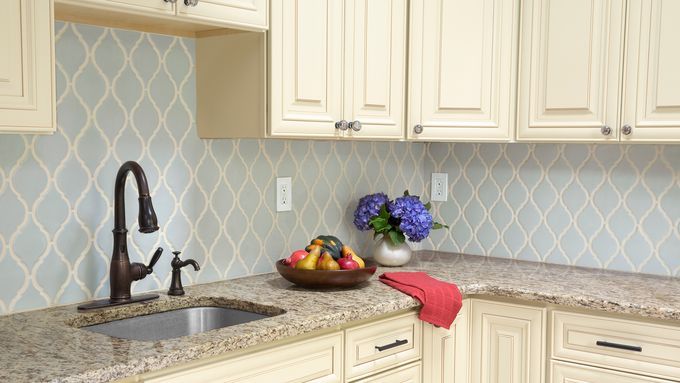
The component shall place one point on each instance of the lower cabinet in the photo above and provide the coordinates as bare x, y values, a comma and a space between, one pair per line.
489, 342
561, 372
507, 343
446, 352
411, 373
314, 360
381, 345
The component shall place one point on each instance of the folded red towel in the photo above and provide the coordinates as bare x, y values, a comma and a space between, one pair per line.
441, 301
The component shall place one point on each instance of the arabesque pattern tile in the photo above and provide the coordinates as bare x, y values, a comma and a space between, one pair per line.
126, 95
604, 206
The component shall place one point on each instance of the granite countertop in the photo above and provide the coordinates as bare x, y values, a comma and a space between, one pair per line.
46, 345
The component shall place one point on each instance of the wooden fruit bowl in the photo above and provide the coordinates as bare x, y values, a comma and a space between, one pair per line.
324, 279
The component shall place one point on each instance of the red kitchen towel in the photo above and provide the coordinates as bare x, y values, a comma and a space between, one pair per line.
441, 301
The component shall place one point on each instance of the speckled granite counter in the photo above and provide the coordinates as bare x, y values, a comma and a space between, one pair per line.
45, 345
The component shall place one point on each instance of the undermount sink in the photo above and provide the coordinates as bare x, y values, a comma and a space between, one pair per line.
175, 323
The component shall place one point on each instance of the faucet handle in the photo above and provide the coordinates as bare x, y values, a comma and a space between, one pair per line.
177, 264
156, 256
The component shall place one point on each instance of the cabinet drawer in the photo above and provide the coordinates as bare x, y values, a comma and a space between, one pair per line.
568, 373
383, 344
616, 343
315, 360
407, 374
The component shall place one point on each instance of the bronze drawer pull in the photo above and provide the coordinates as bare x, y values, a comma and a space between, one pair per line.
392, 345
619, 346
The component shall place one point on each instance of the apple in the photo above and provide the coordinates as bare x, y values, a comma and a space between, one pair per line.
295, 257
348, 264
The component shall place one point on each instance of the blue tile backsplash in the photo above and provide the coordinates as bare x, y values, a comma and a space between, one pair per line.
125, 95
604, 206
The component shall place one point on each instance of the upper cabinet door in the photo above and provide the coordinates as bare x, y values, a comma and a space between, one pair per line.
375, 67
463, 69
26, 67
306, 68
651, 109
244, 14
141, 7
570, 70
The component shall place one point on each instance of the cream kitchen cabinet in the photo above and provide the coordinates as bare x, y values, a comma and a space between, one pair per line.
651, 102
407, 374
337, 68
27, 91
245, 14
136, 7
570, 70
463, 70
180, 17
568, 373
507, 343
313, 360
573, 86
446, 352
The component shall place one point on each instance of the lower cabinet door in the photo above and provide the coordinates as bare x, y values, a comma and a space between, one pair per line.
507, 343
408, 374
316, 360
445, 352
562, 372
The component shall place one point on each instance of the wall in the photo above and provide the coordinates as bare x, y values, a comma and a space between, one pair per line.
604, 206
131, 96
126, 95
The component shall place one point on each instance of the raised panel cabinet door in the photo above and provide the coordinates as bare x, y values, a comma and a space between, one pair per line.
306, 68
651, 109
445, 352
139, 7
507, 343
244, 14
375, 68
574, 373
570, 68
27, 94
462, 69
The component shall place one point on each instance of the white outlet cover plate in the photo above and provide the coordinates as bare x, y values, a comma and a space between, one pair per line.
284, 194
440, 187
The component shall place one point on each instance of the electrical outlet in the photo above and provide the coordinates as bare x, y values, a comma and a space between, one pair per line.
440, 186
284, 194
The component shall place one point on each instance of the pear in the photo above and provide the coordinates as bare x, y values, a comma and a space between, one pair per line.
328, 263
309, 262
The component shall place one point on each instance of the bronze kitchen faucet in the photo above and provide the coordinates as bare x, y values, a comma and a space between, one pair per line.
122, 272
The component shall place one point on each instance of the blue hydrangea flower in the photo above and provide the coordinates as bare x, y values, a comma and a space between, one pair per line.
369, 207
415, 220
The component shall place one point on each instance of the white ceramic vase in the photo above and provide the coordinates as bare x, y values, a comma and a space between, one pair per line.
387, 253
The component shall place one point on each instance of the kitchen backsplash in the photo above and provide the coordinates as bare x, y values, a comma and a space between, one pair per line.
126, 95
604, 206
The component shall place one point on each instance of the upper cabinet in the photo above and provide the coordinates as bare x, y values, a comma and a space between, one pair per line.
651, 102
27, 96
375, 68
462, 72
180, 17
337, 68
247, 14
570, 71
573, 87
306, 68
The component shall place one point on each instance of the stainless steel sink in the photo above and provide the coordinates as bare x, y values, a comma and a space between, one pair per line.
175, 323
